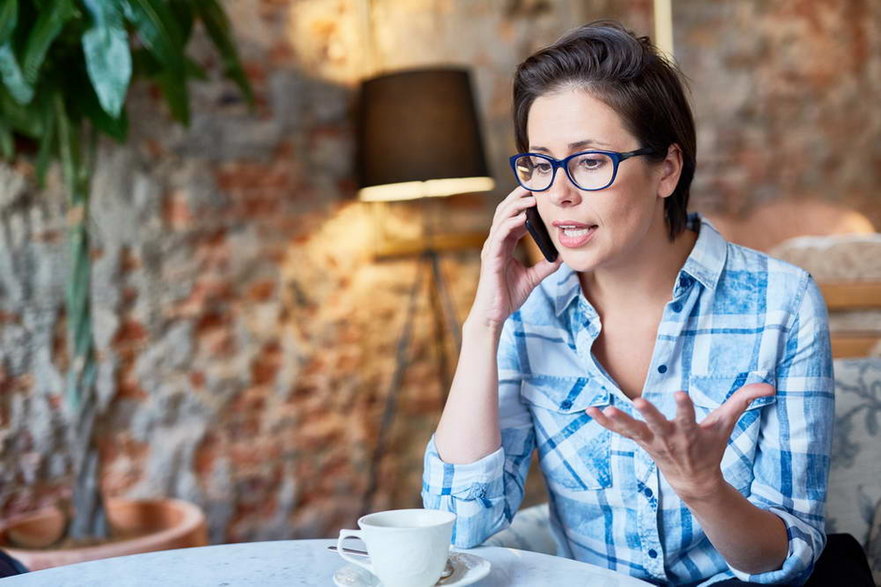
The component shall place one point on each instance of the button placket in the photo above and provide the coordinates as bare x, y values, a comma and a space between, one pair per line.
648, 521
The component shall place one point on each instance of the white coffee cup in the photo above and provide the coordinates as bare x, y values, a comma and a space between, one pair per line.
408, 548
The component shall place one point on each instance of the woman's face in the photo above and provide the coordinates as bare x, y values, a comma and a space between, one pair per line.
604, 228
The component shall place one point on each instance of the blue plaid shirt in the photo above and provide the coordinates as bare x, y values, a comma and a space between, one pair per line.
736, 317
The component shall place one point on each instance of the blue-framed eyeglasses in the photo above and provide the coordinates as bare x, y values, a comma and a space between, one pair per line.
588, 170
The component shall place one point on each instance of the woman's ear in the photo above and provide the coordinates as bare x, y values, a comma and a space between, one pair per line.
671, 169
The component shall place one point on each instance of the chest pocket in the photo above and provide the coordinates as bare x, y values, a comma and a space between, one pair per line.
710, 392
573, 450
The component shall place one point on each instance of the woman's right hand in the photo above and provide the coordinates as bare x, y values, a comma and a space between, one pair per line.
505, 282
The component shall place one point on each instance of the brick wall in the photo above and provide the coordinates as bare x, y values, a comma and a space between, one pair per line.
786, 99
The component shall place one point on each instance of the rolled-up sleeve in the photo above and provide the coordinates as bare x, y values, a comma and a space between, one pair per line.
485, 494
792, 461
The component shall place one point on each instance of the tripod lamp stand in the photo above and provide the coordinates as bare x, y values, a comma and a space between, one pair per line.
418, 138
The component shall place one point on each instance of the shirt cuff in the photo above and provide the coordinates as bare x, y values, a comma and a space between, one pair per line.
481, 479
805, 545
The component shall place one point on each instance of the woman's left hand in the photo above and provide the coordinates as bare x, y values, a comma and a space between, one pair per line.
687, 453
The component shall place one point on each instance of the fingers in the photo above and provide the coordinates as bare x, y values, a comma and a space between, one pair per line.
504, 235
518, 199
617, 421
684, 411
544, 268
753, 391
510, 215
734, 407
655, 420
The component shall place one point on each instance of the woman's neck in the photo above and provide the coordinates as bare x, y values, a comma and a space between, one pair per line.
648, 274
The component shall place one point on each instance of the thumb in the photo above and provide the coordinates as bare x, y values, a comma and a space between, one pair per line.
736, 405
544, 268
746, 394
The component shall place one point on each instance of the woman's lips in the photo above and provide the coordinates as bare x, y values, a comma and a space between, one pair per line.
573, 236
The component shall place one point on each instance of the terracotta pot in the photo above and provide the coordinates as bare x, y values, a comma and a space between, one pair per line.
160, 525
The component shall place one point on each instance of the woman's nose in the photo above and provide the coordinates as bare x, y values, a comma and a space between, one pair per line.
562, 191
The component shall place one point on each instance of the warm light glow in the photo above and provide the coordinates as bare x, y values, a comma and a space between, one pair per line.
434, 188
664, 26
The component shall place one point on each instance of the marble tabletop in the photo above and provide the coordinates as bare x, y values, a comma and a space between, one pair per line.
295, 562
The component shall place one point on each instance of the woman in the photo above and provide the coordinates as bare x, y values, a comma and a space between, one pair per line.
678, 388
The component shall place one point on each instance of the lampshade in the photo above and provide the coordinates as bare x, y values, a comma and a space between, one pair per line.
419, 136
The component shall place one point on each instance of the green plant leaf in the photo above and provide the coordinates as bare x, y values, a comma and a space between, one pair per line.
25, 119
176, 95
8, 19
7, 144
183, 15
47, 147
108, 58
81, 103
196, 71
218, 27
162, 37
49, 24
12, 76
68, 147
87, 105
159, 32
144, 63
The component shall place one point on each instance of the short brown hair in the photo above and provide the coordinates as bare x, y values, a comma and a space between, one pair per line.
628, 74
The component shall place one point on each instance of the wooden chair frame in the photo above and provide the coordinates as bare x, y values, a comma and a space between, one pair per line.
849, 296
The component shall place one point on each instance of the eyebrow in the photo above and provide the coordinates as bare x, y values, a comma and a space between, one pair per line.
573, 146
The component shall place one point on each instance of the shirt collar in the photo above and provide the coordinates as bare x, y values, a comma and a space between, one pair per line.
567, 287
704, 264
707, 258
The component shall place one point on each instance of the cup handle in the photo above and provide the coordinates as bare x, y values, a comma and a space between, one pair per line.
348, 557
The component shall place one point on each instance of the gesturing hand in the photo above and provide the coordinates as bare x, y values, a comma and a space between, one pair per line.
687, 453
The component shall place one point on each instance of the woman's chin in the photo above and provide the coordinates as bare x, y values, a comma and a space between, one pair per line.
579, 260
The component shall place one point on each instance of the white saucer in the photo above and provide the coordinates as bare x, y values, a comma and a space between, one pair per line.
467, 569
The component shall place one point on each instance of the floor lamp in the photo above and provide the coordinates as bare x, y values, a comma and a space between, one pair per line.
418, 137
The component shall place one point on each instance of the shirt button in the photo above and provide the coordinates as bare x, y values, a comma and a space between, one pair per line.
566, 404
653, 553
677, 307
648, 492
662, 369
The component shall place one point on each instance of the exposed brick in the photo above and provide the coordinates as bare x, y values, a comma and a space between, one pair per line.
265, 367
262, 291
130, 332
176, 213
197, 378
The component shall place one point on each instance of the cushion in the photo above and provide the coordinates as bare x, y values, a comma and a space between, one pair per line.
855, 474
851, 257
530, 530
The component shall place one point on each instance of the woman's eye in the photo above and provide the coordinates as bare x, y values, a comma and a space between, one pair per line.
590, 163
543, 167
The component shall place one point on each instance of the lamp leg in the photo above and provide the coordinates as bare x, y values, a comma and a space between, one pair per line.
445, 321
442, 311
437, 312
402, 352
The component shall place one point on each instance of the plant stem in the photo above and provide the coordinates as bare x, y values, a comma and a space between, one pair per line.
89, 518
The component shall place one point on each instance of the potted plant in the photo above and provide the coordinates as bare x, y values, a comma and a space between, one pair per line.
65, 70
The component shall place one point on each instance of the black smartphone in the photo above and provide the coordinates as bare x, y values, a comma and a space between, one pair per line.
539, 233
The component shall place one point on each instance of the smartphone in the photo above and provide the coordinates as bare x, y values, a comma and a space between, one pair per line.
539, 233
